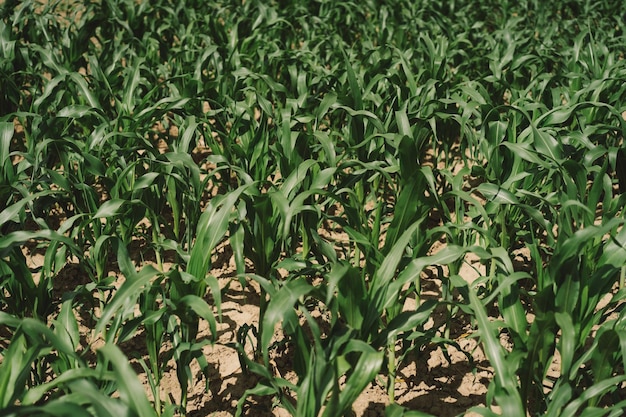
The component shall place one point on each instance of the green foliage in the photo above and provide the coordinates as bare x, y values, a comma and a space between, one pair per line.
332, 148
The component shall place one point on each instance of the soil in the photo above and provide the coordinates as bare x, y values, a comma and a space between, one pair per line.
433, 381
429, 383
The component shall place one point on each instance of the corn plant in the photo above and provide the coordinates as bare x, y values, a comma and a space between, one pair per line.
69, 385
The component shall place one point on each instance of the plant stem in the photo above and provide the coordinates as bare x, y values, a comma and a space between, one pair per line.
262, 308
157, 253
391, 374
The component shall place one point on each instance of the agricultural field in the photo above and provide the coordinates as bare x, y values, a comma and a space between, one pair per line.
312, 208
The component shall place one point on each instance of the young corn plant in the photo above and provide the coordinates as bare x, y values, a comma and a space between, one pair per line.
69, 385
273, 226
187, 289
357, 343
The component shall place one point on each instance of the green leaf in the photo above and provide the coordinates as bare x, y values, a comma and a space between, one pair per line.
402, 120
14, 369
75, 111
407, 210
202, 309
281, 304
128, 293
110, 208
406, 321
6, 135
507, 390
346, 286
595, 390
66, 324
130, 85
396, 410
513, 311
34, 394
497, 194
614, 253
295, 179
605, 353
212, 227
31, 338
366, 368
567, 341
145, 181
412, 271
547, 145
84, 89
20, 237
567, 295
385, 273
130, 389
329, 100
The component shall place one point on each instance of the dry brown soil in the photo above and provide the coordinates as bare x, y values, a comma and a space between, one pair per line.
427, 381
